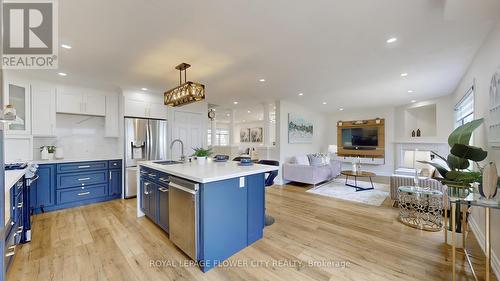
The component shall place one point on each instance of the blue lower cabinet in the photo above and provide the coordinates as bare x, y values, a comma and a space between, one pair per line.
70, 195
148, 199
115, 183
66, 185
223, 220
256, 207
81, 179
162, 214
43, 190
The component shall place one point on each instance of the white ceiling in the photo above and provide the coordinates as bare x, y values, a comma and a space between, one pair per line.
333, 51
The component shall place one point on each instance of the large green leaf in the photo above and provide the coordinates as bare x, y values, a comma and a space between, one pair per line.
442, 170
463, 133
457, 163
473, 153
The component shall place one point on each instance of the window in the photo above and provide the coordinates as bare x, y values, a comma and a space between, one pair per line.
464, 110
221, 137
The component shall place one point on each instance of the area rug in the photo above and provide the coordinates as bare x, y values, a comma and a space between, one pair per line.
338, 189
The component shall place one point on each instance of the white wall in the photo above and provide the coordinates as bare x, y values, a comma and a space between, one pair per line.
81, 137
320, 134
486, 62
387, 113
444, 119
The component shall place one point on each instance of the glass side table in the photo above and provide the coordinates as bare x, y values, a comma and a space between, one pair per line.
421, 208
473, 199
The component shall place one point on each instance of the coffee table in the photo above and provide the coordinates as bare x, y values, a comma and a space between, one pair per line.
356, 175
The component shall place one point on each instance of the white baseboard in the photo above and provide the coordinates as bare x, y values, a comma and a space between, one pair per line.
495, 262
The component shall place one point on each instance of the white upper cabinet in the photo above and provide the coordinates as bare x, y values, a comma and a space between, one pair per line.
145, 108
94, 104
136, 108
43, 110
69, 101
112, 121
80, 101
17, 94
157, 111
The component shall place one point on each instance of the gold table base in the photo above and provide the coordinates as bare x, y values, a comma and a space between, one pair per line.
421, 211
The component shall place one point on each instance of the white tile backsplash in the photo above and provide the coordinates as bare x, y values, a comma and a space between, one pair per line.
80, 137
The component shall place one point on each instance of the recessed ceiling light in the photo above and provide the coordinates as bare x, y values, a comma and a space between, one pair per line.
66, 46
262, 80
244, 120
62, 74
341, 109
404, 74
301, 94
413, 101
228, 114
144, 89
410, 91
392, 40
235, 102
249, 111
324, 102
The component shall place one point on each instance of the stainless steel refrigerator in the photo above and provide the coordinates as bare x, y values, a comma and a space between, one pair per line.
145, 139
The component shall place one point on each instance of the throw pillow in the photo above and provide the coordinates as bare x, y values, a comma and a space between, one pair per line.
301, 160
317, 159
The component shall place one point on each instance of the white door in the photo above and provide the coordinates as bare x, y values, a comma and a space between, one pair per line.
189, 128
157, 111
43, 105
135, 108
69, 102
94, 104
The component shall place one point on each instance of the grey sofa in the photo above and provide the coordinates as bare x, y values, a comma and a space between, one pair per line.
311, 174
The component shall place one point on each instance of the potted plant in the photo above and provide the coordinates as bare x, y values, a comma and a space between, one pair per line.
47, 152
201, 154
458, 176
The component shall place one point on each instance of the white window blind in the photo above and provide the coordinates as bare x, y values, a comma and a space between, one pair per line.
464, 110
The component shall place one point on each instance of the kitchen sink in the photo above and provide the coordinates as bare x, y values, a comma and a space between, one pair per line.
168, 162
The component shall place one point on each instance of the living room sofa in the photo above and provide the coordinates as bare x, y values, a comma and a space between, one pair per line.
299, 169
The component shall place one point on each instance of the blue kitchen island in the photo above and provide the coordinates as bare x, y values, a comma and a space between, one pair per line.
210, 211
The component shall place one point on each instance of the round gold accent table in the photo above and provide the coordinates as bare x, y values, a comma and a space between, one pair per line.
421, 208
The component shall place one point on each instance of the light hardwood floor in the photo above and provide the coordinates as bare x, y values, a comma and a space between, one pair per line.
107, 242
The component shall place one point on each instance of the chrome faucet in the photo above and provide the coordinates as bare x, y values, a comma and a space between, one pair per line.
183, 157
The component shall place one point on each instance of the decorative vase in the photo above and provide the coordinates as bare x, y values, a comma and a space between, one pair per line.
51, 156
201, 160
418, 133
488, 189
44, 154
59, 153
413, 133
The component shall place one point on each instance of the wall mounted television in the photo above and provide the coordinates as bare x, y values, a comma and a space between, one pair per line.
360, 138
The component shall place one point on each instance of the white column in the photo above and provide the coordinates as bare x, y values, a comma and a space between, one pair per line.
213, 128
267, 124
231, 128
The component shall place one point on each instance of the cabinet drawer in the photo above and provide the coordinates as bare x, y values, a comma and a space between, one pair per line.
115, 164
81, 179
82, 166
81, 193
156, 176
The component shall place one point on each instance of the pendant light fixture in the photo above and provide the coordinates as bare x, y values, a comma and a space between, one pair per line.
186, 92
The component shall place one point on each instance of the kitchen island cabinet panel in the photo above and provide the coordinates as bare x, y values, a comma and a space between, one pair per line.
223, 220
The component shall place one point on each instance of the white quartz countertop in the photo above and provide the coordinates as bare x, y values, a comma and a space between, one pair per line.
57, 161
11, 177
210, 171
